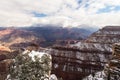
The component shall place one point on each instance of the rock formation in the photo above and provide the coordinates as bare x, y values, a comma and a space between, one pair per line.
4, 61
76, 61
112, 68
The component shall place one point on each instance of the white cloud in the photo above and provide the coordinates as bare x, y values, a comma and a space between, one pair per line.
62, 12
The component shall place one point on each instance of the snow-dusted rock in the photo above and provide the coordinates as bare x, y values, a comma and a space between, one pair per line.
112, 69
31, 65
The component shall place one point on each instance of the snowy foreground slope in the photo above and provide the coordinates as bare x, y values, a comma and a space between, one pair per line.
111, 70
31, 65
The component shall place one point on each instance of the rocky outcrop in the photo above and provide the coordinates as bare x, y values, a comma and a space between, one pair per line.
4, 61
74, 64
30, 65
112, 68
4, 68
7, 55
86, 57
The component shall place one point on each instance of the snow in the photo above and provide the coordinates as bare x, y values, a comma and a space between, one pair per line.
100, 79
64, 68
98, 76
56, 65
90, 46
115, 61
8, 77
53, 77
32, 54
26, 51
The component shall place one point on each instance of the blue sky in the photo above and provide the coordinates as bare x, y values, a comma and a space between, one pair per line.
37, 14
109, 9
67, 13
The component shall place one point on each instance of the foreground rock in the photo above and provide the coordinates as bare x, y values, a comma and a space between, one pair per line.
5, 61
111, 70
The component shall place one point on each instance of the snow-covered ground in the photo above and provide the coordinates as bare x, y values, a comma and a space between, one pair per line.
97, 76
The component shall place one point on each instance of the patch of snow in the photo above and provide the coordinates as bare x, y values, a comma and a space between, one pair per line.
98, 76
56, 65
26, 51
32, 54
53, 77
64, 68
115, 61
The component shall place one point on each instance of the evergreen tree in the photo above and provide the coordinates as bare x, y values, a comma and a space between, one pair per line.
26, 67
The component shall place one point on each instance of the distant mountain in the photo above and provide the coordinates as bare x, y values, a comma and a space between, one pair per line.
44, 36
10, 36
90, 28
58, 35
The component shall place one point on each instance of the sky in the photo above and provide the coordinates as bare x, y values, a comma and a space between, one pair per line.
67, 13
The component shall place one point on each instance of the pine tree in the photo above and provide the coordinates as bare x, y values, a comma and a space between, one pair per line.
25, 68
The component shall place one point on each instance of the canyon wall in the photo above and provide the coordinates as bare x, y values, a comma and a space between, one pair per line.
76, 61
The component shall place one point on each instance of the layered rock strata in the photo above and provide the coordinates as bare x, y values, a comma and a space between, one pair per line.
112, 68
86, 57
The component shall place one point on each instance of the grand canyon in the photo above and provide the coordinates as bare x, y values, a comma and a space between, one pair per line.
59, 40
75, 55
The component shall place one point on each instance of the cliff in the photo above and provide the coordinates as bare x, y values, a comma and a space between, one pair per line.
4, 61
9, 37
112, 68
76, 61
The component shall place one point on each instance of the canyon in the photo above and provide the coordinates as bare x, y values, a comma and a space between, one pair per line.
69, 62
